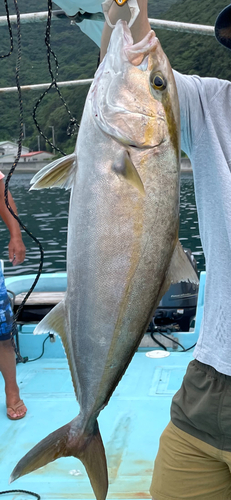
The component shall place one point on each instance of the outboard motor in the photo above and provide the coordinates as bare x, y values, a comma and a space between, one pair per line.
178, 305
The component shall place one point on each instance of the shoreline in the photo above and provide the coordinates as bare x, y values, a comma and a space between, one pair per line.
32, 168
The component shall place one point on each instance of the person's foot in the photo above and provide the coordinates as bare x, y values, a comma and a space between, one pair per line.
16, 411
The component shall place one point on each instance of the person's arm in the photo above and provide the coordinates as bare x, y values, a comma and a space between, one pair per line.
16, 246
139, 30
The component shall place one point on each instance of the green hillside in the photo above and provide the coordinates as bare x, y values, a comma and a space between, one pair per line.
77, 56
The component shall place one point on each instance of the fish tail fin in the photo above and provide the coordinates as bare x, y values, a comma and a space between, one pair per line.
69, 440
94, 460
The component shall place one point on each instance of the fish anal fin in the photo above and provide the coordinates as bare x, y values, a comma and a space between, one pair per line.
60, 173
69, 440
124, 167
55, 321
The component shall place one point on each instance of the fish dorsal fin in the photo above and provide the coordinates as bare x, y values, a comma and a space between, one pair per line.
125, 168
179, 270
55, 321
60, 173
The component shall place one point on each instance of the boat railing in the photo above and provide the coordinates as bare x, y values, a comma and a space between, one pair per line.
42, 16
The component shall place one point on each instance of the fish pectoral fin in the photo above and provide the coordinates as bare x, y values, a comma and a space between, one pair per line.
70, 440
60, 173
124, 167
180, 268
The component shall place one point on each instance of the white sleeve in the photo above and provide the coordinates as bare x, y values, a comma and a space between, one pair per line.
93, 29
195, 95
71, 7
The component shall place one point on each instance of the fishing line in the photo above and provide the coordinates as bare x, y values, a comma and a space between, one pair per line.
14, 326
72, 121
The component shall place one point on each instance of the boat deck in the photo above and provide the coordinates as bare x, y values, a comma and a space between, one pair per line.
130, 425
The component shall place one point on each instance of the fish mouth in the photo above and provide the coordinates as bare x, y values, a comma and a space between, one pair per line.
136, 53
132, 120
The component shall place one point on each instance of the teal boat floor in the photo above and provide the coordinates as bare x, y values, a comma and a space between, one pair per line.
130, 426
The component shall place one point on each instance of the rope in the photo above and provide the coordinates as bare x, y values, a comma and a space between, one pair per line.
36, 495
10, 32
72, 121
70, 131
14, 326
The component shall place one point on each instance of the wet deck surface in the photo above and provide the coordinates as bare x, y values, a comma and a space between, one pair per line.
130, 425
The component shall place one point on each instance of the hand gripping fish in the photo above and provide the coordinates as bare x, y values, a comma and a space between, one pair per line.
123, 250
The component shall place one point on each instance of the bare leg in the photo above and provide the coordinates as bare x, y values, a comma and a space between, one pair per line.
139, 29
8, 369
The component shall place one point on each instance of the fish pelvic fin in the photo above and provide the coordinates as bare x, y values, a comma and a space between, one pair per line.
124, 167
55, 321
66, 441
60, 173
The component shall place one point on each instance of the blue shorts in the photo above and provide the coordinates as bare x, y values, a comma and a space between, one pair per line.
6, 313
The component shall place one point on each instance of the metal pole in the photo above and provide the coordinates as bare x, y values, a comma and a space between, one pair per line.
156, 23
32, 17
44, 86
38, 137
53, 134
183, 27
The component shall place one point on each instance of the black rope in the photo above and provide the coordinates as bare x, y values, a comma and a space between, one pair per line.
72, 121
10, 32
14, 326
36, 495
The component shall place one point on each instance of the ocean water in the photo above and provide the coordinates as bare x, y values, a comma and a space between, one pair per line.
45, 214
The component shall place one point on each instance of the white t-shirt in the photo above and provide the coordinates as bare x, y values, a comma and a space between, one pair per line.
205, 105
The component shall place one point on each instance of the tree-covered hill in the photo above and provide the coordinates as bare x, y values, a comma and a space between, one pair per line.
78, 55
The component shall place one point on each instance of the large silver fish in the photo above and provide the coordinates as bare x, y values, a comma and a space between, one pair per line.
123, 250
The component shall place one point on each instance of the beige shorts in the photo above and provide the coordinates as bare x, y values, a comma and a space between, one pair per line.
194, 457
188, 468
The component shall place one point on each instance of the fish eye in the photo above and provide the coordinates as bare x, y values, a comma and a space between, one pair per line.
158, 82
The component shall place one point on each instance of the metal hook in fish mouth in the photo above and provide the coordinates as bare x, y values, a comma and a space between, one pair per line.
132, 4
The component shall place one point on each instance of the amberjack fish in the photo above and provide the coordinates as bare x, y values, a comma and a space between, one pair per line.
123, 250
